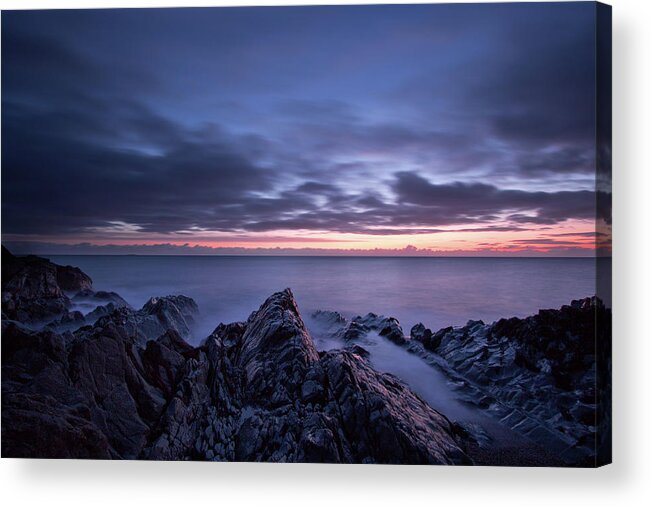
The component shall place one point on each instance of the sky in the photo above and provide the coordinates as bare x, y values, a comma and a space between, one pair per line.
359, 130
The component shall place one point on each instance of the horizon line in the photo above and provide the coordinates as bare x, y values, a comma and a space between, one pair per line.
323, 255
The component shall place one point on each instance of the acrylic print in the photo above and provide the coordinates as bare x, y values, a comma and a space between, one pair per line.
353, 234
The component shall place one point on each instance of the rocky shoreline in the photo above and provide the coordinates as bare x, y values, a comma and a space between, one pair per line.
537, 376
84, 375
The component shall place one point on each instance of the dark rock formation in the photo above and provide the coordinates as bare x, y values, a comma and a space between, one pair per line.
337, 326
266, 394
72, 279
354, 330
93, 397
100, 311
130, 387
330, 321
430, 341
536, 374
90, 299
43, 414
96, 304
36, 293
68, 321
157, 316
389, 327
34, 289
30, 290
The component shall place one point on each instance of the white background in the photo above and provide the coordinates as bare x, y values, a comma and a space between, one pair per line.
626, 482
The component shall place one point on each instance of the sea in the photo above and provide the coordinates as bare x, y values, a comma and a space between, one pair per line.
438, 292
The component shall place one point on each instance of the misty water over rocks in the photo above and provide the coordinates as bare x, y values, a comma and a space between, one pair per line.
438, 292
385, 356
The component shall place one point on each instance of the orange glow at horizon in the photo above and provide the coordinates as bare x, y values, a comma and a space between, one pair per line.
578, 235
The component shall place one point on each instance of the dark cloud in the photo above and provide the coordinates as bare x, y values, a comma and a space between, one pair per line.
472, 201
60, 180
566, 160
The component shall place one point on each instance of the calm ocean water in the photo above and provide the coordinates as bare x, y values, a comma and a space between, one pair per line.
436, 291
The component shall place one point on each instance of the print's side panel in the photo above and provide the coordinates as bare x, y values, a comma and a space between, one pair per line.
603, 334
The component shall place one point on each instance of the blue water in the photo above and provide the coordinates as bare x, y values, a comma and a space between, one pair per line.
436, 291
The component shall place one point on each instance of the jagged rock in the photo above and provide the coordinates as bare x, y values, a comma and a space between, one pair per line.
279, 409
98, 396
253, 391
43, 414
420, 332
34, 289
158, 315
96, 304
30, 292
334, 325
430, 341
474, 432
360, 351
110, 406
106, 368
68, 321
536, 374
31, 277
389, 327
353, 331
173, 312
89, 298
100, 311
331, 320
36, 292
72, 279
